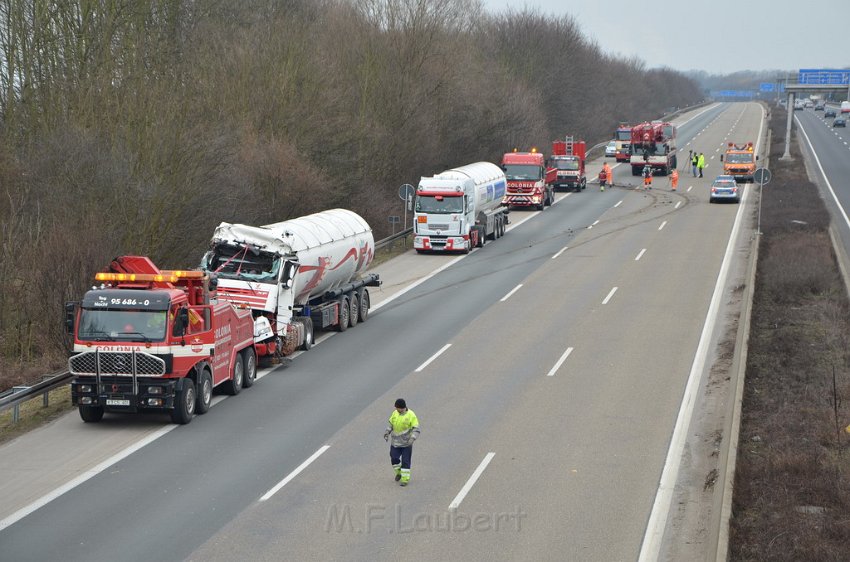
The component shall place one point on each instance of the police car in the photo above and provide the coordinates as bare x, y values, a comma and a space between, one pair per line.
724, 188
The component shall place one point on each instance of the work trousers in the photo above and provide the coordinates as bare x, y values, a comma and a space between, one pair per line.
400, 456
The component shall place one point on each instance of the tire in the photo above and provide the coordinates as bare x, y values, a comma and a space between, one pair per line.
184, 403
91, 414
354, 310
309, 333
542, 205
205, 390
249, 360
344, 313
234, 385
365, 303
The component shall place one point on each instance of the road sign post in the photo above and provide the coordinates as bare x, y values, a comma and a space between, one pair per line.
405, 193
762, 176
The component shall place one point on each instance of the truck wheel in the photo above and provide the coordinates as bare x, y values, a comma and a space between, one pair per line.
234, 385
309, 335
205, 389
354, 312
249, 360
344, 313
364, 304
91, 414
184, 403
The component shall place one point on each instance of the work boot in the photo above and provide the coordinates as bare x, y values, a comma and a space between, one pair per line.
403, 484
397, 477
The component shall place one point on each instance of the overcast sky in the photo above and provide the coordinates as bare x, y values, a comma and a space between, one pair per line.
718, 36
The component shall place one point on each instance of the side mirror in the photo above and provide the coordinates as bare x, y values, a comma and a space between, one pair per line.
70, 316
181, 322
721, 158
290, 268
757, 157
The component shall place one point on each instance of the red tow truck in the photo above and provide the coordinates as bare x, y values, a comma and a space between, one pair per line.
567, 163
529, 180
148, 340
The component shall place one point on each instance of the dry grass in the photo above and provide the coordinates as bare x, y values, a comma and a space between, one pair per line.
792, 485
34, 414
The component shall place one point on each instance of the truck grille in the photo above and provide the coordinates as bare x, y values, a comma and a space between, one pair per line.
115, 363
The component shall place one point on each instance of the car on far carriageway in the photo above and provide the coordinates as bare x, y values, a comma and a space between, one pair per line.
724, 188
839, 122
611, 149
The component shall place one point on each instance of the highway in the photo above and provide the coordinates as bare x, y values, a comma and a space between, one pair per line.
552, 363
828, 151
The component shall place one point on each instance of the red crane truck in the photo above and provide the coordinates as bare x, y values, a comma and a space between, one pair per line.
529, 180
156, 341
567, 162
653, 143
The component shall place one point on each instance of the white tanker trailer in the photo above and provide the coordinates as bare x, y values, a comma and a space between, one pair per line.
295, 275
458, 209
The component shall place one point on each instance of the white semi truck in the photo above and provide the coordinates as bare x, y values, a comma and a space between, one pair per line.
458, 209
295, 275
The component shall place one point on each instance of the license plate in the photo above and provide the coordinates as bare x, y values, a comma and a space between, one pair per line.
116, 402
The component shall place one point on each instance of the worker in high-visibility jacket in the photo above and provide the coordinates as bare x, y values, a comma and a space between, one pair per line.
674, 179
403, 427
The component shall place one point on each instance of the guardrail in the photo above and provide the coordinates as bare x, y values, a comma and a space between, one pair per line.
383, 243
17, 395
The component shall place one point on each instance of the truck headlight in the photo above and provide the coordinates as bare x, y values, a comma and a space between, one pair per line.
154, 390
84, 388
85, 399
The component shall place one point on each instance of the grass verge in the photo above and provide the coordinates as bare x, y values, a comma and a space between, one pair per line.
792, 492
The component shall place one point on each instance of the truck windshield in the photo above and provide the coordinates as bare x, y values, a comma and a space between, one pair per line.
439, 204
241, 262
122, 325
624, 135
739, 158
522, 172
564, 164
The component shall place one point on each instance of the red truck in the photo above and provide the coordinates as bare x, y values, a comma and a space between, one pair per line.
654, 144
529, 180
156, 341
567, 163
623, 138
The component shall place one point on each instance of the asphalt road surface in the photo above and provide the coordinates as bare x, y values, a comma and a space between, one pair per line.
570, 343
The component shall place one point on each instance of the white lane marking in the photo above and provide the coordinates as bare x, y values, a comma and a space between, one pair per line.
294, 473
676, 206
662, 225
86, 475
443, 267
620, 202
561, 251
472, 480
511, 292
651, 545
560, 362
822, 172
690, 187
640, 254
428, 362
611, 294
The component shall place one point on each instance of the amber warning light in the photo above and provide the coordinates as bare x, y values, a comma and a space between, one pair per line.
165, 277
